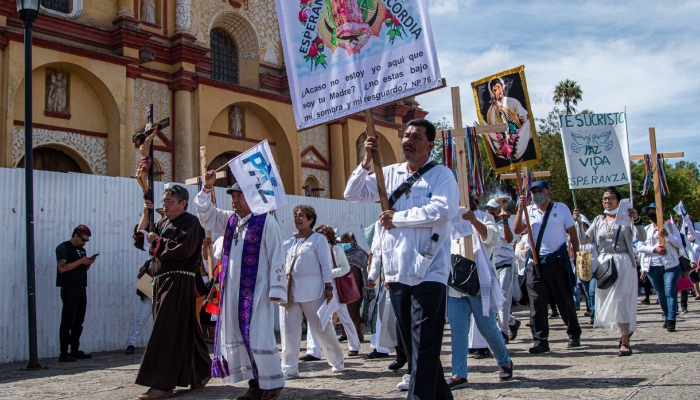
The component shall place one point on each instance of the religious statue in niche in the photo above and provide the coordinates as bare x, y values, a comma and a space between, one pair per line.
148, 11
235, 121
57, 92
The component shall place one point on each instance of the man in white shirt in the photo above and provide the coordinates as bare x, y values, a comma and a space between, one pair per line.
503, 255
251, 279
417, 284
554, 272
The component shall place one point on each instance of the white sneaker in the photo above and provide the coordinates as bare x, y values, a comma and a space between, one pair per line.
405, 382
339, 368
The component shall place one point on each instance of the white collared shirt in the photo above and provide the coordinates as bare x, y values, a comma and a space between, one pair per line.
554, 235
503, 252
426, 209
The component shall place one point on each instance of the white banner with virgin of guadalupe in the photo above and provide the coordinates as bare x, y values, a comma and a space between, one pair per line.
595, 149
346, 56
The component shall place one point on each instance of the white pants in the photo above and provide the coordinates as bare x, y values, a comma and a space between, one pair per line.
379, 292
313, 349
505, 318
290, 325
145, 311
476, 339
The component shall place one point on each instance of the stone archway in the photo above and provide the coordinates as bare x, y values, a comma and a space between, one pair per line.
93, 129
246, 41
56, 159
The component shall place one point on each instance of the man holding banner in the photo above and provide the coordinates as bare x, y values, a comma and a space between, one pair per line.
251, 277
417, 280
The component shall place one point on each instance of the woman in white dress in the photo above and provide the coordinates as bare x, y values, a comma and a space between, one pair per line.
616, 306
310, 265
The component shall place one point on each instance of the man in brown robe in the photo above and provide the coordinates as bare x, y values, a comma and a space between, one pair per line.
177, 354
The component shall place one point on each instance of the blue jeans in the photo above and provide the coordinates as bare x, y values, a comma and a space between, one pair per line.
459, 311
664, 282
589, 289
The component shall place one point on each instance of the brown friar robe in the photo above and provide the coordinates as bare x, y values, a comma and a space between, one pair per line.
177, 354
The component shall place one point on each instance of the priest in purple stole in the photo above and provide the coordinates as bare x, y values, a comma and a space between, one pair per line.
251, 278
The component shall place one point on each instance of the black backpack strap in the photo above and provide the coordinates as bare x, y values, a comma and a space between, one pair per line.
409, 182
544, 224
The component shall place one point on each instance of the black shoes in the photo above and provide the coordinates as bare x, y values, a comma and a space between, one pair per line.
574, 342
554, 315
65, 357
514, 330
506, 372
352, 353
375, 354
665, 323
309, 357
625, 353
505, 338
342, 339
457, 384
671, 326
80, 355
482, 353
130, 349
541, 347
397, 364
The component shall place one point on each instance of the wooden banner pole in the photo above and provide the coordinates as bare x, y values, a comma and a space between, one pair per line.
377, 163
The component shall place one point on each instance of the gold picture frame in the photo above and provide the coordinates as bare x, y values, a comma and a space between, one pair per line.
507, 151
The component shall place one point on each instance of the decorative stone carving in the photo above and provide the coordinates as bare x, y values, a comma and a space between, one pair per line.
57, 88
317, 137
148, 11
92, 149
145, 93
183, 14
235, 121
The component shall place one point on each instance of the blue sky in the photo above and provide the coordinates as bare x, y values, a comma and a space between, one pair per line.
643, 55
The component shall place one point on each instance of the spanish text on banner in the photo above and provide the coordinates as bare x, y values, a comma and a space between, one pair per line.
255, 170
595, 149
346, 56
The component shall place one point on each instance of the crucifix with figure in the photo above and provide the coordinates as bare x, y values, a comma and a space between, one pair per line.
143, 139
657, 180
459, 133
199, 181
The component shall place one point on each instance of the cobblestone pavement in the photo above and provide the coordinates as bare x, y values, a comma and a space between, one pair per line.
663, 366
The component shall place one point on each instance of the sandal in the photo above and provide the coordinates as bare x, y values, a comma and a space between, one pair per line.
155, 394
201, 383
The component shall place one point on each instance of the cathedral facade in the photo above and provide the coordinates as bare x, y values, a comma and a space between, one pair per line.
214, 67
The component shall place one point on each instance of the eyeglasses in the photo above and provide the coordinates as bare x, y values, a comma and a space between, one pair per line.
609, 198
168, 202
83, 239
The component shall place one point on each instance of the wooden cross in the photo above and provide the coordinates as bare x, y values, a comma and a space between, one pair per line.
209, 251
657, 180
459, 133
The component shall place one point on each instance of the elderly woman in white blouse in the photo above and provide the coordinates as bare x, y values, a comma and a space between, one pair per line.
341, 267
309, 263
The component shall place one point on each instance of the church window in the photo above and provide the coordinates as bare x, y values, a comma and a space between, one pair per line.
225, 56
62, 6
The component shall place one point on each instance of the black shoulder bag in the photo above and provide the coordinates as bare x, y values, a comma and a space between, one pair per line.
464, 277
403, 188
686, 267
540, 236
606, 275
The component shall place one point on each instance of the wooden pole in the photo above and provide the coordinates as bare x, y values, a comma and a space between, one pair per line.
462, 167
657, 186
151, 196
377, 163
533, 250
209, 251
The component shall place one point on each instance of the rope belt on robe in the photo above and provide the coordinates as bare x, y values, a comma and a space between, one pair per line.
246, 293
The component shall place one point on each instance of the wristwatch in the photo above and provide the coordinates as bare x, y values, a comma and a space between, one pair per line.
329, 288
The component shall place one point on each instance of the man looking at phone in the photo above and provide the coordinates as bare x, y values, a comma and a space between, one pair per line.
73, 265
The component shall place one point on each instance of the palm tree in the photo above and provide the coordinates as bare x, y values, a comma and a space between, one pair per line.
567, 92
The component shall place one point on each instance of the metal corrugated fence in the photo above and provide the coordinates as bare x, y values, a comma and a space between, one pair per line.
110, 207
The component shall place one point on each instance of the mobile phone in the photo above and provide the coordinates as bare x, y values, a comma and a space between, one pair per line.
93, 256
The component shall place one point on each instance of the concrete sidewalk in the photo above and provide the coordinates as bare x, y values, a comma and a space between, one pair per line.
664, 366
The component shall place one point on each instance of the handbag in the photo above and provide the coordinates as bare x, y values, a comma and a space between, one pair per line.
289, 275
606, 275
683, 284
464, 277
686, 267
584, 265
345, 286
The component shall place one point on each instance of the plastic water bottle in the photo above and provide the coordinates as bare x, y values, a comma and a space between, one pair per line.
431, 247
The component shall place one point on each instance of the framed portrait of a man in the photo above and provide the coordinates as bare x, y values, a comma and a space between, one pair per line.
503, 99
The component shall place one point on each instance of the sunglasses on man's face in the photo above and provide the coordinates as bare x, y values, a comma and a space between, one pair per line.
85, 240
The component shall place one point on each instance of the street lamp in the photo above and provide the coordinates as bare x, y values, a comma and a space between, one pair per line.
28, 12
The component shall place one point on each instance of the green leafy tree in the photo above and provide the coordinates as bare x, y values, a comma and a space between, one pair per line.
569, 93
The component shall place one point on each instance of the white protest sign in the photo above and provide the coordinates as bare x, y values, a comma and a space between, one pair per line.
461, 227
255, 170
346, 56
595, 149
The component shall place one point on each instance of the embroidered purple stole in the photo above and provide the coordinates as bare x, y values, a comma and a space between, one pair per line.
246, 293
